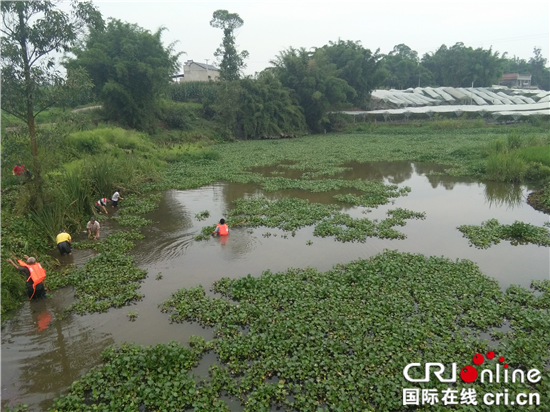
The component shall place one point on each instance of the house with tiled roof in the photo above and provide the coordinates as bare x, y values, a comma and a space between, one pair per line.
516, 80
199, 72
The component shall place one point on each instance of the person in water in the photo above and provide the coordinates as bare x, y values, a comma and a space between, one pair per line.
64, 242
221, 229
34, 273
93, 228
115, 198
101, 203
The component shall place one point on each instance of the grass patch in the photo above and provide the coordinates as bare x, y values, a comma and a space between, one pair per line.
540, 154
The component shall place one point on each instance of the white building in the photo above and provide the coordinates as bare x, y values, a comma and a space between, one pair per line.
199, 72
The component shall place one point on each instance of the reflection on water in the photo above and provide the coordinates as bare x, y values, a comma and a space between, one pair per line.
510, 195
42, 353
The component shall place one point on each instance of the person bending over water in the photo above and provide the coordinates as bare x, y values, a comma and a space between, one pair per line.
221, 229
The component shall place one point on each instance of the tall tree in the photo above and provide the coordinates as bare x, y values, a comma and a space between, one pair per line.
230, 60
31, 32
539, 70
130, 68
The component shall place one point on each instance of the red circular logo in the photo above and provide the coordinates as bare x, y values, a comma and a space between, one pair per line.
468, 374
490, 354
478, 359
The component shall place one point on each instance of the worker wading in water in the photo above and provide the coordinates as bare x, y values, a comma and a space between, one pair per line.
35, 275
221, 229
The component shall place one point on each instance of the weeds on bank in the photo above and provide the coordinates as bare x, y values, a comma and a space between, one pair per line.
109, 279
518, 233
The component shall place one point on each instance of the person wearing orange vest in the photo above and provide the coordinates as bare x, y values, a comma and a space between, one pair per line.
35, 274
221, 229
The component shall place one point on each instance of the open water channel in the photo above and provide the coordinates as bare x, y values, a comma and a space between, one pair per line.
43, 352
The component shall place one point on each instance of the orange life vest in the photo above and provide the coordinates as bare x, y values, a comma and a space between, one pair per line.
38, 273
223, 229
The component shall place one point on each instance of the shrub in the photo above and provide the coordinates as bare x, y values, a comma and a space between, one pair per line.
174, 115
496, 146
193, 91
537, 171
506, 167
515, 140
540, 154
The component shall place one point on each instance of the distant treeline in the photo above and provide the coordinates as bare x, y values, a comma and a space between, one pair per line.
459, 66
302, 86
129, 70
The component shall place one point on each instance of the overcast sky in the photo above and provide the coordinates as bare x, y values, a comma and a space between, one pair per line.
269, 27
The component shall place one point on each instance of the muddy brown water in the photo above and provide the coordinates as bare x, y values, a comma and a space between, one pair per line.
44, 352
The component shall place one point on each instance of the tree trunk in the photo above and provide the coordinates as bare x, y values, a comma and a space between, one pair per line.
29, 86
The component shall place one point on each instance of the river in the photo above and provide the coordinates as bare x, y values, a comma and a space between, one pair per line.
44, 351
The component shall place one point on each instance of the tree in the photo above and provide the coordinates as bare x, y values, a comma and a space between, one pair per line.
230, 60
315, 84
31, 32
404, 70
258, 107
359, 67
539, 70
130, 68
459, 66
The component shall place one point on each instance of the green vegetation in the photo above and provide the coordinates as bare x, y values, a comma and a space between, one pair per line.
153, 378
344, 228
540, 200
231, 61
31, 31
134, 221
109, 279
463, 150
202, 215
291, 214
258, 108
301, 338
518, 233
101, 160
518, 158
130, 69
